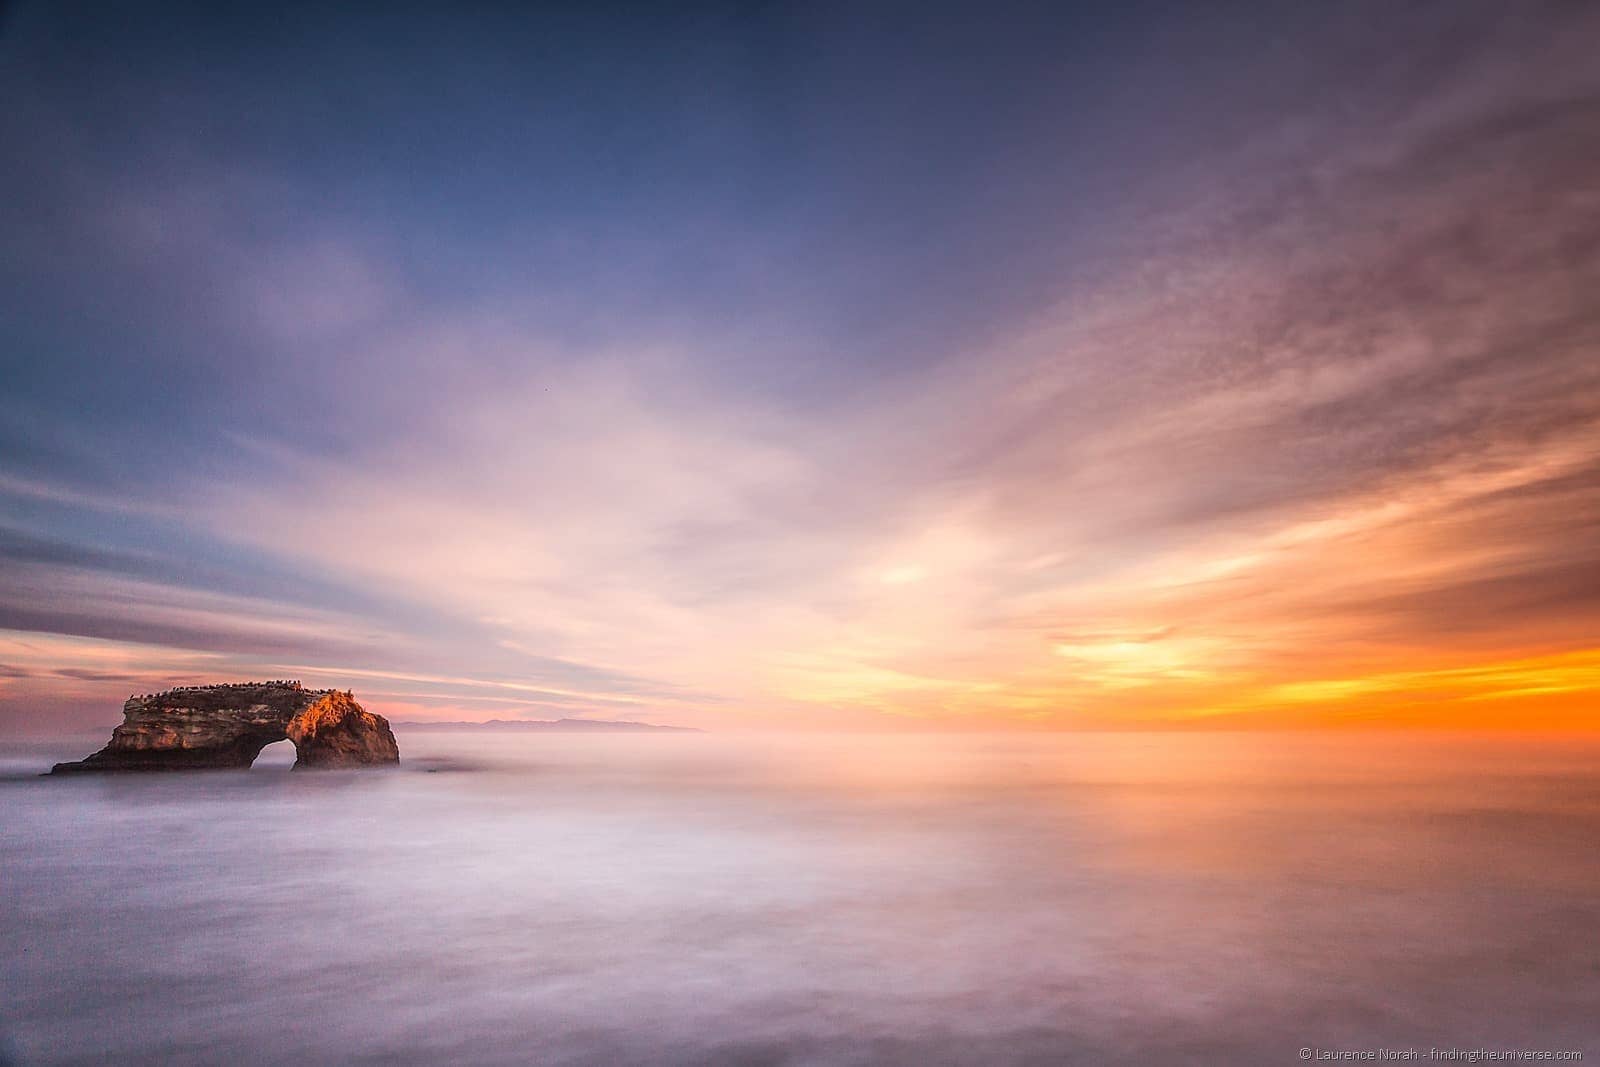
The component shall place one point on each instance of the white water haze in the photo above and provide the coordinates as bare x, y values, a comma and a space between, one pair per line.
705, 899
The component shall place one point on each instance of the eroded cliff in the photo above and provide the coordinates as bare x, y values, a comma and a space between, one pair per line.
223, 726
337, 732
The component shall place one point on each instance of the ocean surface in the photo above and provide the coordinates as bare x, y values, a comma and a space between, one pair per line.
764, 899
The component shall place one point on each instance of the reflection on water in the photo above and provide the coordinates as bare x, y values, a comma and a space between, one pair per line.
703, 899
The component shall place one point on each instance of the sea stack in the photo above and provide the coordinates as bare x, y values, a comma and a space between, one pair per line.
226, 726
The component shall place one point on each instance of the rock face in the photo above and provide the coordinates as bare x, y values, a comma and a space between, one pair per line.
218, 726
338, 732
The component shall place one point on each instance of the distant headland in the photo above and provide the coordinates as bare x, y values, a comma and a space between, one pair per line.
567, 725
204, 727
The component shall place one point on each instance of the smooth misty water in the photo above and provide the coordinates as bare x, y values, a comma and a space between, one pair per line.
1099, 899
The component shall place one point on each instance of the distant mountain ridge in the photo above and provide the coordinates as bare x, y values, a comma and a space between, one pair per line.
571, 725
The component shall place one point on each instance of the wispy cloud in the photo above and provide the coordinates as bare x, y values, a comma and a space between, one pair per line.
1303, 418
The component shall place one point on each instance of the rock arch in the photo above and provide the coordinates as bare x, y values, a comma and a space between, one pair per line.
227, 726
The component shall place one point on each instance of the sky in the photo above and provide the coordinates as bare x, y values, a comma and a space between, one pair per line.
806, 366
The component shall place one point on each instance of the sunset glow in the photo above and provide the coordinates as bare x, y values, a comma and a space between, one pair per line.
797, 533
1288, 417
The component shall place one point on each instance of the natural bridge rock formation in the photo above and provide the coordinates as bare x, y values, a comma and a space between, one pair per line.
212, 726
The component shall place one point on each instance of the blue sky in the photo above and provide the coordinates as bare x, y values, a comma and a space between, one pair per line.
803, 365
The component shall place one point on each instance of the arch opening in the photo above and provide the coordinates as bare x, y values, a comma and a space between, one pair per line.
278, 756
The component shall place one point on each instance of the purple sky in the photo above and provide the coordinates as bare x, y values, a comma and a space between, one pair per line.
805, 365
